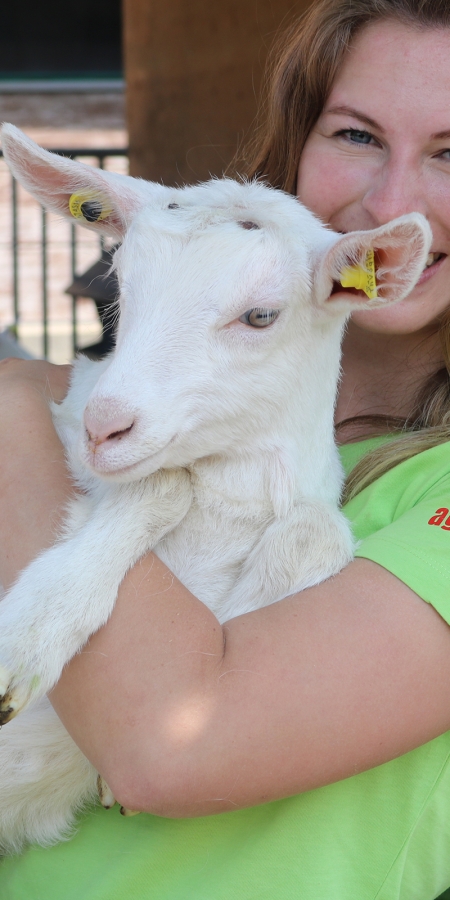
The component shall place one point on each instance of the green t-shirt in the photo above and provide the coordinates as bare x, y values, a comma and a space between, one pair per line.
381, 835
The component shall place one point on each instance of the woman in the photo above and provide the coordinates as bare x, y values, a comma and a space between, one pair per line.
337, 699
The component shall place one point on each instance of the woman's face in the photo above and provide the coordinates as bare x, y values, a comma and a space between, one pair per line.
381, 148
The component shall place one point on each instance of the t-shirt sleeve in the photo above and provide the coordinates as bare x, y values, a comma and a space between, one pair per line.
416, 547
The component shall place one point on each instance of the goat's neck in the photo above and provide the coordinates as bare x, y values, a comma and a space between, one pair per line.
277, 471
235, 478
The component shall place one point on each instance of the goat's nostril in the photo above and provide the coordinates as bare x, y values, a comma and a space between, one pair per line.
118, 435
111, 430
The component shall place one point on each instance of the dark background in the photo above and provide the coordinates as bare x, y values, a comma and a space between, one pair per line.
61, 39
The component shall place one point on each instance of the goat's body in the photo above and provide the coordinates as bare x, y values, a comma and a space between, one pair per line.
230, 512
207, 436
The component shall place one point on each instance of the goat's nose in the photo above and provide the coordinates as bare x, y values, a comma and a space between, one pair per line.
111, 429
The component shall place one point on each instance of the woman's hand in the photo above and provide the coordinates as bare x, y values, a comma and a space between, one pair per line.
34, 482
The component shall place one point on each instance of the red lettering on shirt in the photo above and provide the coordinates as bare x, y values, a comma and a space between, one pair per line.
439, 517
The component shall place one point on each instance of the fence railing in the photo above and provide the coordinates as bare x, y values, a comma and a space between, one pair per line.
103, 157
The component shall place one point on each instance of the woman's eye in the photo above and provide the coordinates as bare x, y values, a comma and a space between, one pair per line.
356, 137
259, 317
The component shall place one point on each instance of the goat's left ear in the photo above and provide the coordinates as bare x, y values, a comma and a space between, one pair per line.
89, 196
400, 252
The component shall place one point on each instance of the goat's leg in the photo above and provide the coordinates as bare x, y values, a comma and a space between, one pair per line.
69, 591
44, 780
311, 544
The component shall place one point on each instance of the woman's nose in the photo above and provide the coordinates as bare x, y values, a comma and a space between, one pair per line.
395, 191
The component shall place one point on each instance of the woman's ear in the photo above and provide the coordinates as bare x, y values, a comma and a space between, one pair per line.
99, 200
400, 251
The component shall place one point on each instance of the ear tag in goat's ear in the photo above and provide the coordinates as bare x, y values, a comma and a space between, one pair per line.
89, 206
362, 278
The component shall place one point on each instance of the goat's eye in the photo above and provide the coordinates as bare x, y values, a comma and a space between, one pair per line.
259, 317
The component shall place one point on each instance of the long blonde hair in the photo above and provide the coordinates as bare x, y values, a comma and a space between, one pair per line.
302, 70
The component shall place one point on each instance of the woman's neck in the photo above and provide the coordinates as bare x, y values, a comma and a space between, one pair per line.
382, 375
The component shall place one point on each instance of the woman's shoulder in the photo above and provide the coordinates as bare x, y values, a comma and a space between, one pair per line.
422, 476
402, 522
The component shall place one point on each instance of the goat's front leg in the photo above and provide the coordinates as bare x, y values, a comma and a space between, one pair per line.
311, 544
69, 591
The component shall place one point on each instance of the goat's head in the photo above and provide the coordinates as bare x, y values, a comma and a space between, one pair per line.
230, 308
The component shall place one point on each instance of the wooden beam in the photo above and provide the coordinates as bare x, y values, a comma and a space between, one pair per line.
193, 71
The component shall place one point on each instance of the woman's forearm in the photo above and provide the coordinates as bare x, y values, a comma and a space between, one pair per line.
34, 482
310, 690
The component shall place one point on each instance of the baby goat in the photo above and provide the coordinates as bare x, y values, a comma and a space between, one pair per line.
207, 435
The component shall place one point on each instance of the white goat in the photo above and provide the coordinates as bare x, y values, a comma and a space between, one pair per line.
207, 435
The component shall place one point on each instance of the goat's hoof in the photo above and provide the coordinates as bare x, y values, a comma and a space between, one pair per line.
107, 798
10, 706
129, 812
12, 699
7, 711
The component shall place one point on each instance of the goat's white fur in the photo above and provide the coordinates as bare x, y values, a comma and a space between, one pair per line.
233, 473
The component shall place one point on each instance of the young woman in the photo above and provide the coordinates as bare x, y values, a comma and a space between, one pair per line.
301, 751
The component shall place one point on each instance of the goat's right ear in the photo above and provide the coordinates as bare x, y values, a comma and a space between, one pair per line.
91, 197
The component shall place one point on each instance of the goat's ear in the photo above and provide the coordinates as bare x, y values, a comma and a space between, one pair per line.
400, 252
99, 200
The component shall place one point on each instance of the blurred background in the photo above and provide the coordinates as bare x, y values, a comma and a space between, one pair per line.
166, 91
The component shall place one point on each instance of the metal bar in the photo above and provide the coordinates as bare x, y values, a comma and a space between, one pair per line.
44, 285
15, 253
73, 264
72, 152
101, 165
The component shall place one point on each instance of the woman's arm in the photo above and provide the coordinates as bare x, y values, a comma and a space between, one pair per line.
183, 717
34, 483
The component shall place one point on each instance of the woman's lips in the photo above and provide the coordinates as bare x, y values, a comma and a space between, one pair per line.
431, 270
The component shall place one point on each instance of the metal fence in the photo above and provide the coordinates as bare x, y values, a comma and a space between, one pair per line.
71, 256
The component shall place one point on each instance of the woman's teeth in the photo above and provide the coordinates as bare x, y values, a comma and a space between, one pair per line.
432, 258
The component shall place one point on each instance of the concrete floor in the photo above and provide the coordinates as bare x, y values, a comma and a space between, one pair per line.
57, 120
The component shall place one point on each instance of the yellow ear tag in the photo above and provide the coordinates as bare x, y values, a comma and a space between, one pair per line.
363, 279
90, 206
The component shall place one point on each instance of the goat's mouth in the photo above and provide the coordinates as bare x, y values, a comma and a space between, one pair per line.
112, 468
